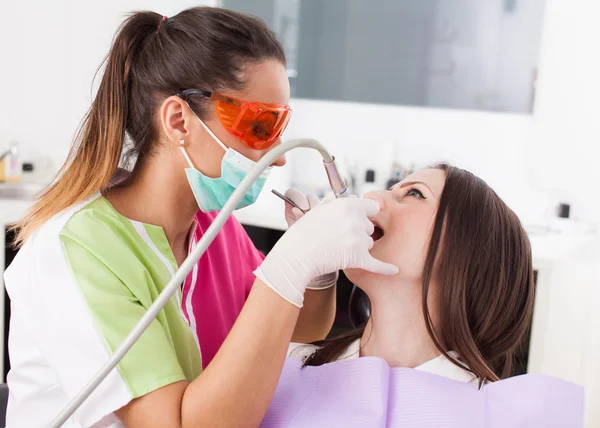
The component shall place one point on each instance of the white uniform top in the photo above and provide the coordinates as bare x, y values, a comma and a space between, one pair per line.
78, 287
440, 366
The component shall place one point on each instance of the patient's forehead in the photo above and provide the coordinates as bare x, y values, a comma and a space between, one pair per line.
435, 178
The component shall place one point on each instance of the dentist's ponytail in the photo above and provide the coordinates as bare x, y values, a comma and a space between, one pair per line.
152, 58
98, 144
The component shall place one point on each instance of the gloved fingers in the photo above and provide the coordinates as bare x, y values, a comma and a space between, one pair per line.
368, 242
297, 213
370, 206
291, 217
369, 227
328, 198
299, 199
293, 214
313, 201
371, 264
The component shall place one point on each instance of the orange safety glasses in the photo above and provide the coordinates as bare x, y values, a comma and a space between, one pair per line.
258, 125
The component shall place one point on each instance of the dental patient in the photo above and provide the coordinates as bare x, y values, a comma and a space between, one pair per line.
463, 299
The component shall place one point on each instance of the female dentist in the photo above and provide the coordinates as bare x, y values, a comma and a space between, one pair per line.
191, 102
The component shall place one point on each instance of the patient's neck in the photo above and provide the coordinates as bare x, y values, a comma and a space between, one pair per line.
396, 330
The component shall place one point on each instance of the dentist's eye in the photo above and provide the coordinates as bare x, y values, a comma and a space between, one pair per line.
415, 193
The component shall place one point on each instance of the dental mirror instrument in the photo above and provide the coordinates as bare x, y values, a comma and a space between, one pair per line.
287, 200
339, 189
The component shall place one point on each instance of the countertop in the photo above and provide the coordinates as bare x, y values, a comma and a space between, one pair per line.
267, 212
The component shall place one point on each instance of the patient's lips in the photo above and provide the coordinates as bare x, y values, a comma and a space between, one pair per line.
377, 233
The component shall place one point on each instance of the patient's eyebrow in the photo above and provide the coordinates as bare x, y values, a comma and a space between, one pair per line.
410, 183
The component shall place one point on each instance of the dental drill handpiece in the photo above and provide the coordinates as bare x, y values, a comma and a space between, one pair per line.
337, 183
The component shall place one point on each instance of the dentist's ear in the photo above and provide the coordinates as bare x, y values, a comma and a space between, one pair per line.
176, 119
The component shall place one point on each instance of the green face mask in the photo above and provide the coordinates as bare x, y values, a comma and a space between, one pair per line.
212, 193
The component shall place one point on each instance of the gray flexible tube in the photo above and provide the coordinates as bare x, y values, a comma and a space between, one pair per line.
184, 270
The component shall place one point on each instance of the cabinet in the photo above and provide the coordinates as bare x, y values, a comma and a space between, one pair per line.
9, 254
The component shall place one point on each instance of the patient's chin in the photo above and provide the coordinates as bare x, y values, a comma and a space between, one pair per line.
360, 277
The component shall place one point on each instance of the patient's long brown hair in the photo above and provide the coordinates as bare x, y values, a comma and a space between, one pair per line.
486, 283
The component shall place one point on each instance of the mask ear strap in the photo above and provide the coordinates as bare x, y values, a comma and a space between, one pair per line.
212, 134
187, 158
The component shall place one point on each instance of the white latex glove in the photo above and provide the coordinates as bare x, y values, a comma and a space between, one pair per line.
292, 215
332, 236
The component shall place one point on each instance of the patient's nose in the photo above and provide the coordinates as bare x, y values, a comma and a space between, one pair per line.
379, 197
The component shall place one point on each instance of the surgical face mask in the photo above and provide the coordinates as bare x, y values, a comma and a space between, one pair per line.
212, 193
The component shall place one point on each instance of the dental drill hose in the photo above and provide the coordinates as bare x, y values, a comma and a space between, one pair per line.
192, 259
336, 182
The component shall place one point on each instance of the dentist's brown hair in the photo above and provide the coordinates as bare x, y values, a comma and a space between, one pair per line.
480, 256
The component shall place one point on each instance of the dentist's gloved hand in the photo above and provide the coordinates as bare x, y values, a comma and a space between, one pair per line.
306, 202
332, 236
292, 215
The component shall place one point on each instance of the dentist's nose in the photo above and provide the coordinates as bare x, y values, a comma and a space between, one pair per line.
280, 161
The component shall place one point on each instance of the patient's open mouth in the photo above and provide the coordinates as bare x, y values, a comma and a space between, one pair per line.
377, 233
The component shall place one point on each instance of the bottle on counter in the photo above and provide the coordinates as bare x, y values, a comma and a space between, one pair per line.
369, 184
395, 176
10, 164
